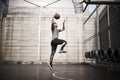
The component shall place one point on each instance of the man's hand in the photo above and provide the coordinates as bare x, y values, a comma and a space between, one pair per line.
64, 22
63, 25
53, 18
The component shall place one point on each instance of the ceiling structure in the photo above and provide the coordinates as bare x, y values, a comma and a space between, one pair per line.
71, 5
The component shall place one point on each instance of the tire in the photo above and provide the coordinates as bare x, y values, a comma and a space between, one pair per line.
116, 55
98, 54
109, 54
86, 55
94, 54
102, 54
91, 54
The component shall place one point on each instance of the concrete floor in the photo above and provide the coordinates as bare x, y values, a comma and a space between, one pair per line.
60, 72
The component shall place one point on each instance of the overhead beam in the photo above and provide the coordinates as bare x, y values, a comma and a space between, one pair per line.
31, 3
51, 3
40, 6
91, 15
102, 1
85, 8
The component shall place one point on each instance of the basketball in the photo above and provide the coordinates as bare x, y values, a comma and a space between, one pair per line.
57, 16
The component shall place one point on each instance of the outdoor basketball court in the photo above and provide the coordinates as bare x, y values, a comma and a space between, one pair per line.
27, 34
60, 72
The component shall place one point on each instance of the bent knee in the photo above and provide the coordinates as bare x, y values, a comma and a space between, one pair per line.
65, 42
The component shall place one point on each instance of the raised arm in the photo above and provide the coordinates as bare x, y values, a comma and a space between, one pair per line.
53, 19
52, 23
63, 28
64, 25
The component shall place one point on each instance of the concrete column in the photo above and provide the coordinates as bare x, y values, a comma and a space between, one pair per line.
108, 17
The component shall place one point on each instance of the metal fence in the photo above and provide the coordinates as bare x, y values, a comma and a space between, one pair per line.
105, 36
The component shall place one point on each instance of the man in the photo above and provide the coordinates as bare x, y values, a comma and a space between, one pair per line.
55, 41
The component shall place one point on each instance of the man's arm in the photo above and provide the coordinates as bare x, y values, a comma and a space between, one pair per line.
63, 28
52, 19
52, 23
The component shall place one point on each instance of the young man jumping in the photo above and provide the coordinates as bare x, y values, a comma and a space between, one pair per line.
55, 40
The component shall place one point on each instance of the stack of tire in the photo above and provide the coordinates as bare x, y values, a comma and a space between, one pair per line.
109, 55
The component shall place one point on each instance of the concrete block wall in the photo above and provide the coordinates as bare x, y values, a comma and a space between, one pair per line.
20, 39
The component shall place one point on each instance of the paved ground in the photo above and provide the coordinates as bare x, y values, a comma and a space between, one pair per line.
60, 72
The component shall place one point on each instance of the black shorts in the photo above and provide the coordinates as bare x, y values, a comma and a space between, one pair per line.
57, 41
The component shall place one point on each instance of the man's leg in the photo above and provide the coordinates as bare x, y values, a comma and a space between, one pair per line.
53, 50
63, 42
62, 47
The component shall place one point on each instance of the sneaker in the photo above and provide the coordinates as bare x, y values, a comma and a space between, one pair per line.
50, 66
63, 52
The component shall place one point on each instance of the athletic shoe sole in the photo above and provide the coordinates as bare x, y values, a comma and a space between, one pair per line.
63, 52
50, 67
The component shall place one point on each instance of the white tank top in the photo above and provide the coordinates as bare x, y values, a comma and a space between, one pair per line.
55, 33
